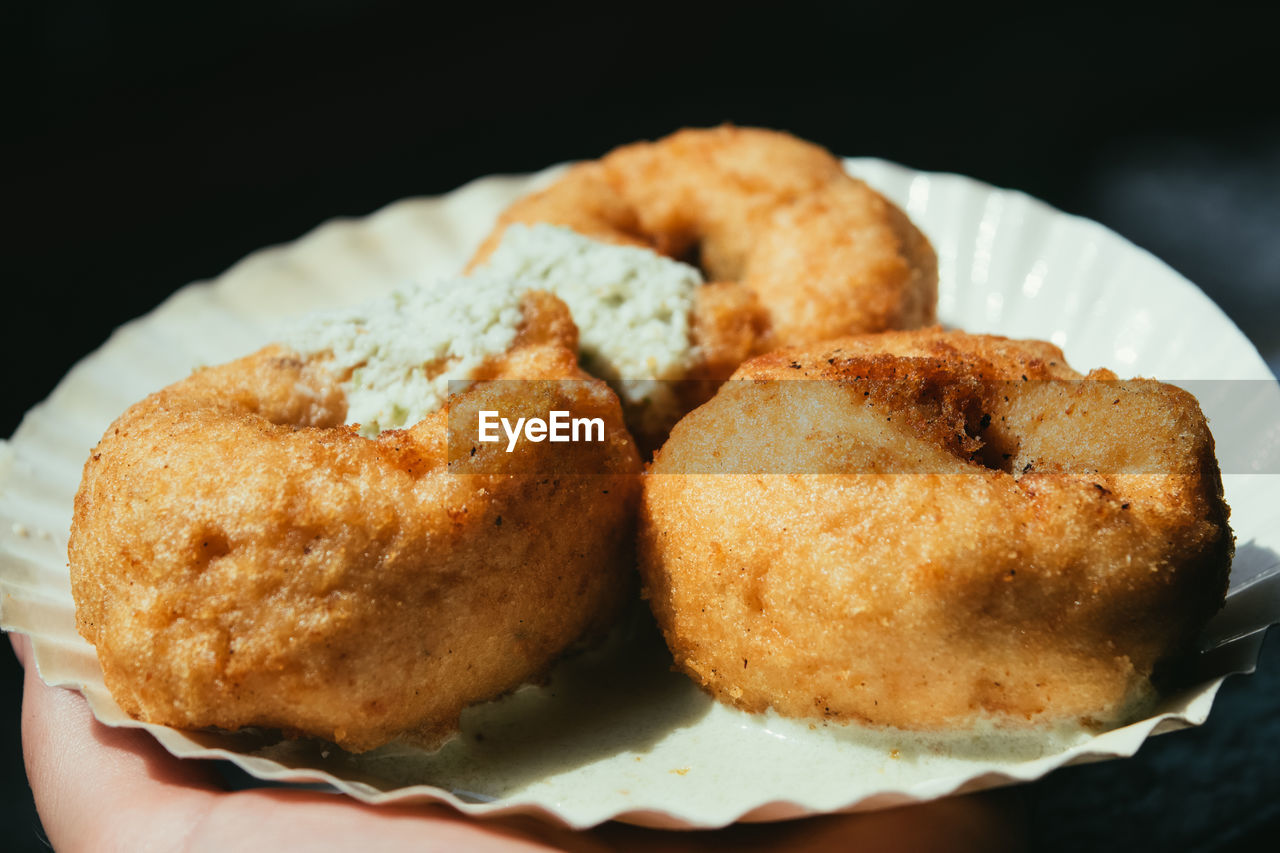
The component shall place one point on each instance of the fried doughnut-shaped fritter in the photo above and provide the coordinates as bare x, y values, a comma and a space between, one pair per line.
927, 529
796, 250
239, 557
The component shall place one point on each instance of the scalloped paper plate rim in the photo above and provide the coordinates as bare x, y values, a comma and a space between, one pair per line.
1004, 259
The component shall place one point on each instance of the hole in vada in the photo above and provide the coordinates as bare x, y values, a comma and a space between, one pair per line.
691, 254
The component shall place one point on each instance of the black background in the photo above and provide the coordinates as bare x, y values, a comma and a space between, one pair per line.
150, 145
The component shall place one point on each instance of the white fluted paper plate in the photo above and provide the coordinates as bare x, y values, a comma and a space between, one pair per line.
616, 734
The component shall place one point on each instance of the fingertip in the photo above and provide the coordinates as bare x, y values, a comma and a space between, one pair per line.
21, 647
92, 782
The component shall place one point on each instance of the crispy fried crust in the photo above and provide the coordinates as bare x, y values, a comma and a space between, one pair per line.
809, 252
981, 532
241, 558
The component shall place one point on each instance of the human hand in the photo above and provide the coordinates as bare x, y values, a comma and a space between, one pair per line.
103, 789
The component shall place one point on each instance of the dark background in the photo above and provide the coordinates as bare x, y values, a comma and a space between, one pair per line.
150, 145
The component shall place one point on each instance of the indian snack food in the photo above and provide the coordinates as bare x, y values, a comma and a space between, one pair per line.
931, 529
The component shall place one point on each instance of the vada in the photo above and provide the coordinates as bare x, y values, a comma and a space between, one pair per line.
242, 555
794, 250
930, 529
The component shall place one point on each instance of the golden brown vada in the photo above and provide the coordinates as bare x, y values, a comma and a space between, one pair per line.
240, 557
928, 529
795, 250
